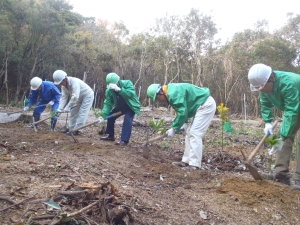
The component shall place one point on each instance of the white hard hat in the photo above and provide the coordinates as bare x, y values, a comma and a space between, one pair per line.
35, 83
58, 76
258, 76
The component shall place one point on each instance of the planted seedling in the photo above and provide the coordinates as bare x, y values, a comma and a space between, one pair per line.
158, 126
98, 113
273, 141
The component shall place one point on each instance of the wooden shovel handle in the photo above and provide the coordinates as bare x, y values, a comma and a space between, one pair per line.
251, 156
155, 139
42, 120
90, 124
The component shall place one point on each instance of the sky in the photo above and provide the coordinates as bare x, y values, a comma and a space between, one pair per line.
230, 16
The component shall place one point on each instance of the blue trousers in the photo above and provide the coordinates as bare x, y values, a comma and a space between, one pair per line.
39, 109
127, 125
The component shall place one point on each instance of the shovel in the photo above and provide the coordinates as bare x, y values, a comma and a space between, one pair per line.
145, 145
247, 161
21, 111
90, 124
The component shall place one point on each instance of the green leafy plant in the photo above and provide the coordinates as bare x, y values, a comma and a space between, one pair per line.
158, 126
223, 110
98, 113
273, 141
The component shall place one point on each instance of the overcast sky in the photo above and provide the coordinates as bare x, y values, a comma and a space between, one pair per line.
230, 16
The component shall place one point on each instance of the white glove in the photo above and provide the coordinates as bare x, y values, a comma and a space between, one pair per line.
184, 127
114, 87
170, 133
277, 147
51, 103
268, 129
101, 119
26, 109
67, 108
58, 112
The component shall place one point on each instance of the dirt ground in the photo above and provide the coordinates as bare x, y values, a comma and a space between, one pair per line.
59, 181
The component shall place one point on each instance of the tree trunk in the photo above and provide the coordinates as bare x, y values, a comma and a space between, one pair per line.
5, 80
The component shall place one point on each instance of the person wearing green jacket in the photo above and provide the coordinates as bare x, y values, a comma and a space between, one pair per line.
121, 96
282, 90
189, 101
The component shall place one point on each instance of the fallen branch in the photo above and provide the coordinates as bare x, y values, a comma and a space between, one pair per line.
285, 217
16, 204
7, 199
71, 192
82, 210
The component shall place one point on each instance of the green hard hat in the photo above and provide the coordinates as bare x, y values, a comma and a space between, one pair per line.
112, 78
152, 91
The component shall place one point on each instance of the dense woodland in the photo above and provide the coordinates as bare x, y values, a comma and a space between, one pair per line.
40, 36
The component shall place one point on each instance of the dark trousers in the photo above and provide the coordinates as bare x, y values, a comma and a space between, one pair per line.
127, 125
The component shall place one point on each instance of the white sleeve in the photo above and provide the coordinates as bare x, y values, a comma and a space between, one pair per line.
64, 97
75, 92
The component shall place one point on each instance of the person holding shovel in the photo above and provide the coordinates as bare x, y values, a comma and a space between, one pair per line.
80, 95
282, 90
189, 101
121, 96
48, 94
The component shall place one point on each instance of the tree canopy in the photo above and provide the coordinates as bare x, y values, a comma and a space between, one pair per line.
38, 37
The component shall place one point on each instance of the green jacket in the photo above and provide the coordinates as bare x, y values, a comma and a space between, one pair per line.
185, 99
285, 96
127, 92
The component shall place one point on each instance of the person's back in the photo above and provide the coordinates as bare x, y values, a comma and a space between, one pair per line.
188, 95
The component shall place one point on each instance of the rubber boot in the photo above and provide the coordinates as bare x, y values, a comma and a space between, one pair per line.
53, 123
36, 117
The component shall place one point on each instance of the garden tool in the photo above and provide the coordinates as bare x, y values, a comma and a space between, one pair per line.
145, 145
90, 124
247, 161
23, 110
39, 121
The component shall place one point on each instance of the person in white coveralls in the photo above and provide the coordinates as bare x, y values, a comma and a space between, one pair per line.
81, 99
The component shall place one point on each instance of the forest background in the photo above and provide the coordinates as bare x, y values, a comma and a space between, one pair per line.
40, 36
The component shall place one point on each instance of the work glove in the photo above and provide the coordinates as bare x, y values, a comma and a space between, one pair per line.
101, 119
67, 109
51, 103
57, 112
268, 129
184, 127
26, 109
277, 147
170, 133
114, 87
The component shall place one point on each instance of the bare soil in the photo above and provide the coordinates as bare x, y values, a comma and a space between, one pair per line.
122, 187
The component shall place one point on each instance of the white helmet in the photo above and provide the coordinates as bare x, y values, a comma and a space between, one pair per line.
258, 76
35, 83
58, 76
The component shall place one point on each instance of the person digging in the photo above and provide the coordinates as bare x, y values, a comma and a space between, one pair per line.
189, 101
75, 92
121, 96
48, 94
282, 90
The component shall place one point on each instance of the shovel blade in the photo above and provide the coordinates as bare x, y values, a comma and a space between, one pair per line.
146, 152
253, 171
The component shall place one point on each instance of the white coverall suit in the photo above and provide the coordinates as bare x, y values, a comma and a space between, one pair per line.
80, 94
190, 101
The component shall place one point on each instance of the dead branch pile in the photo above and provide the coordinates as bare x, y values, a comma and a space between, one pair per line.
84, 204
